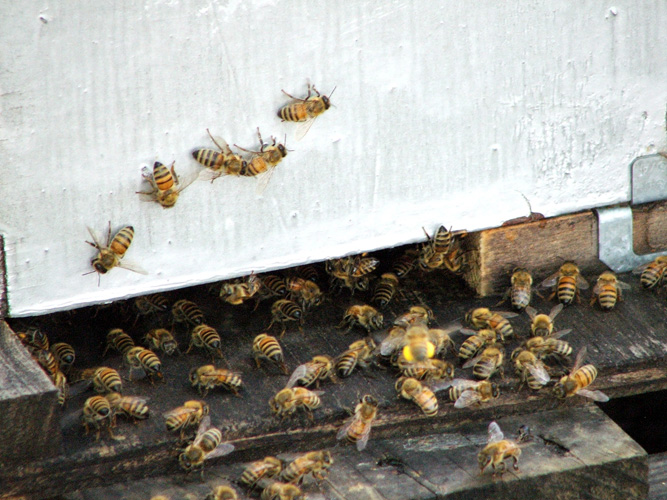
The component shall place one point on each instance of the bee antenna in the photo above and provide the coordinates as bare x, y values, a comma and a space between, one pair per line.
334, 90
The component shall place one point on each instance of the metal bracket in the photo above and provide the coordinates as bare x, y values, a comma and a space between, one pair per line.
648, 177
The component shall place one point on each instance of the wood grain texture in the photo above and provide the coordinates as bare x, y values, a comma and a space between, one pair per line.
29, 411
657, 476
649, 228
4, 306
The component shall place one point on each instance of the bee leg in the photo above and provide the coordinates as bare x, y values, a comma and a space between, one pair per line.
592, 301
553, 294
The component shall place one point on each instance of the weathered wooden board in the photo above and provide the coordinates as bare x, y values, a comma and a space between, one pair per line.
649, 232
657, 476
627, 344
29, 412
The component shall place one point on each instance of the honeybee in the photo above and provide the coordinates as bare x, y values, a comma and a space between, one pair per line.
497, 450
60, 381
151, 304
530, 368
477, 340
542, 324
319, 368
284, 311
97, 414
111, 254
208, 338
64, 355
429, 369
441, 250
144, 359
413, 390
487, 363
579, 378
385, 289
222, 493
264, 160
47, 361
652, 273
358, 427
184, 418
186, 311
358, 353
316, 463
466, 393
223, 162
104, 379
274, 286
351, 272
416, 315
305, 110
418, 344
363, 315
567, 283
307, 293
35, 338
309, 272
268, 467
496, 320
267, 347
209, 377
607, 291
131, 407
405, 263
119, 341
520, 290
237, 293
206, 445
286, 401
281, 491
164, 184
163, 340
550, 346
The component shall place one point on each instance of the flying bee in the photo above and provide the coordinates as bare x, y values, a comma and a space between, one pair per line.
307, 293
268, 467
183, 418
222, 493
530, 368
151, 304
186, 311
520, 290
64, 355
497, 450
283, 311
111, 255
315, 463
496, 320
579, 378
209, 377
542, 324
413, 390
264, 160
144, 359
305, 111
206, 445
567, 282
359, 353
363, 315
607, 291
131, 407
477, 340
550, 346
119, 341
428, 370
223, 162
385, 289
466, 393
357, 429
487, 363
288, 400
307, 374
652, 273
281, 491
164, 184
238, 292
97, 414
163, 340
416, 315
206, 337
265, 346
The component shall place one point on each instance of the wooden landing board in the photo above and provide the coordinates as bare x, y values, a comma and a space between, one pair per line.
574, 453
657, 476
628, 345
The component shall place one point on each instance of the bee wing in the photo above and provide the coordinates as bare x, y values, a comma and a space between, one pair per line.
363, 439
596, 289
472, 361
391, 344
640, 269
579, 360
560, 333
94, 237
507, 314
494, 433
177, 411
79, 387
208, 174
459, 383
303, 127
550, 281
342, 432
299, 372
264, 179
599, 396
131, 266
134, 399
531, 312
370, 263
221, 450
555, 310
468, 331
204, 425
539, 372
453, 326
467, 398
623, 285
581, 282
